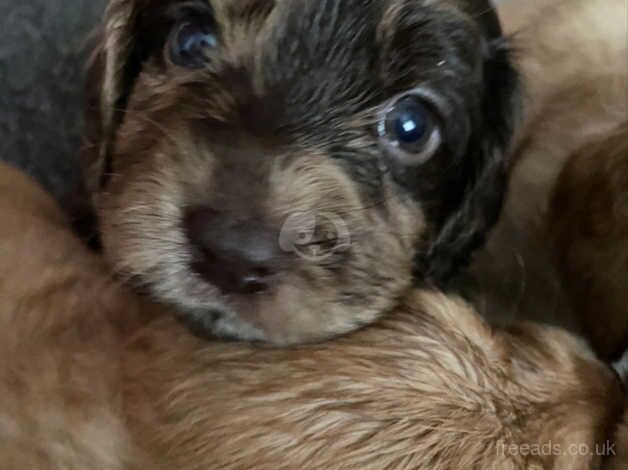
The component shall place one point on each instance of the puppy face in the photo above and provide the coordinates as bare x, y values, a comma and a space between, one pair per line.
283, 170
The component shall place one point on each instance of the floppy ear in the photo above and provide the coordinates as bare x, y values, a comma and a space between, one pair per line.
486, 165
112, 68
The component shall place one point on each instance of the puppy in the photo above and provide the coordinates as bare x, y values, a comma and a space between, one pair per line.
572, 55
339, 405
284, 170
620, 461
91, 377
589, 225
431, 386
62, 324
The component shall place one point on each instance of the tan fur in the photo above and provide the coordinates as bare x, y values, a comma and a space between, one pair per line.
430, 387
61, 324
573, 56
143, 238
589, 228
276, 126
619, 461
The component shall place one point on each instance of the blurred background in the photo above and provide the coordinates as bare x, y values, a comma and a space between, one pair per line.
42, 56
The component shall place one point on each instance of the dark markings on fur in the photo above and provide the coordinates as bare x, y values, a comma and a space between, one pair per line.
293, 91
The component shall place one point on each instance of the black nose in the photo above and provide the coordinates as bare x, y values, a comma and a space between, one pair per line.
237, 256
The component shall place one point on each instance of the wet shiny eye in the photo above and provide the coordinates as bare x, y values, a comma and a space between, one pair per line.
409, 130
190, 44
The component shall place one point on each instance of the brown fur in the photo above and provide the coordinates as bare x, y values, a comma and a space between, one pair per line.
280, 124
61, 323
589, 224
619, 461
573, 58
430, 387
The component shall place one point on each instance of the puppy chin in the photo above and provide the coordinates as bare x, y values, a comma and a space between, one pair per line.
247, 324
233, 320
286, 316
223, 324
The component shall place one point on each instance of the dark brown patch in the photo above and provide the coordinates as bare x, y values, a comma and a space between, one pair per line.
282, 121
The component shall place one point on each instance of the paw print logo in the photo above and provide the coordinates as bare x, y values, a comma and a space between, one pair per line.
315, 236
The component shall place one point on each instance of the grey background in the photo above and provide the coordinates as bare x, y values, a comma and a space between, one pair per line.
42, 56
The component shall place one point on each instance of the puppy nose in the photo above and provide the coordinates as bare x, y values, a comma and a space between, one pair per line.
237, 256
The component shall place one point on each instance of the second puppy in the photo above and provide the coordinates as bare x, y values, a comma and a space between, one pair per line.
91, 377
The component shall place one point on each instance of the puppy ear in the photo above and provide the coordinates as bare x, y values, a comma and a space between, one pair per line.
112, 68
486, 171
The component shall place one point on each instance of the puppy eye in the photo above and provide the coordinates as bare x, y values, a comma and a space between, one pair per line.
190, 44
409, 130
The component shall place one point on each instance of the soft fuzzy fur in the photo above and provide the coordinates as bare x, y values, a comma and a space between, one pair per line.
620, 460
589, 228
89, 379
62, 320
430, 387
278, 130
573, 57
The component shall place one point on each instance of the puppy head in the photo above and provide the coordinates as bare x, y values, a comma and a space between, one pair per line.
283, 170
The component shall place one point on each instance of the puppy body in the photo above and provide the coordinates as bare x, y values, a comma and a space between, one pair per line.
91, 379
430, 387
620, 461
589, 234
62, 320
573, 57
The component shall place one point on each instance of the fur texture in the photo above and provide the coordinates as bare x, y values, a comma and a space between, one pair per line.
92, 379
572, 55
620, 460
589, 226
61, 323
280, 124
431, 387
